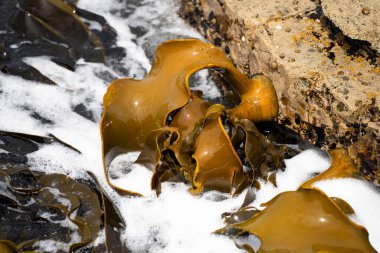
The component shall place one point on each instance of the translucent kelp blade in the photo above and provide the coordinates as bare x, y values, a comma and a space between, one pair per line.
156, 142
243, 214
343, 205
217, 165
341, 167
134, 108
306, 221
258, 99
10, 247
186, 120
261, 154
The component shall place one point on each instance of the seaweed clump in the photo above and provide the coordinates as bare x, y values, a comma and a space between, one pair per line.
36, 207
184, 138
305, 220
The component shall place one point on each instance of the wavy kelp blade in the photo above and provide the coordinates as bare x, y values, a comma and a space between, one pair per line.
341, 167
114, 224
7, 247
218, 167
87, 200
261, 154
305, 221
186, 120
156, 142
243, 214
134, 108
343, 205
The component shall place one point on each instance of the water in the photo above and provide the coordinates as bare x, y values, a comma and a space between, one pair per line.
175, 221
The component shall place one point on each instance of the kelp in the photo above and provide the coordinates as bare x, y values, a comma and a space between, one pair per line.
35, 206
159, 115
306, 220
51, 28
18, 145
218, 167
341, 167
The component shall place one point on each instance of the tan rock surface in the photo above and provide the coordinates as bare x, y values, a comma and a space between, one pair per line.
357, 19
328, 89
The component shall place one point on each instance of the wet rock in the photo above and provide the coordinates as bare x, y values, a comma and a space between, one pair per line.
318, 71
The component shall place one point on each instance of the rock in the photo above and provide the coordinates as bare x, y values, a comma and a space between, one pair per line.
327, 83
358, 20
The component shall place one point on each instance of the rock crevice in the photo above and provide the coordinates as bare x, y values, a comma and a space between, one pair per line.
327, 75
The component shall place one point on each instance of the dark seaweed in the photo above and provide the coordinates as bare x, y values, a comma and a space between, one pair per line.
24, 36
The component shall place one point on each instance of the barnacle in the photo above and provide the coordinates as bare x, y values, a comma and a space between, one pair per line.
306, 220
136, 118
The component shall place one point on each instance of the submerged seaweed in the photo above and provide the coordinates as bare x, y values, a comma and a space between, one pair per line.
52, 28
36, 207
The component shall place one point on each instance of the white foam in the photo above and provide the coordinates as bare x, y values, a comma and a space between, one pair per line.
129, 175
175, 221
208, 87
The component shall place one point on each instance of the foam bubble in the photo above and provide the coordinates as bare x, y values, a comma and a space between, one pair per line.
175, 221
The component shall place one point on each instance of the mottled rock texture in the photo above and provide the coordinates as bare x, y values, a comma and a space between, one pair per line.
358, 20
328, 83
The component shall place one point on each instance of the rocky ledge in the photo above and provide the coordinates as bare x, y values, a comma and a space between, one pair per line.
323, 58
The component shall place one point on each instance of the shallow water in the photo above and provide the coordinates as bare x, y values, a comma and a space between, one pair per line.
175, 221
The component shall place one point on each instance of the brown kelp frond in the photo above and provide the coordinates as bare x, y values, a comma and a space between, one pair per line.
341, 167
325, 228
258, 100
218, 167
323, 221
188, 120
263, 156
32, 196
136, 113
9, 247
